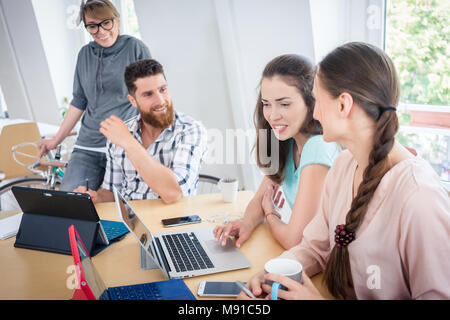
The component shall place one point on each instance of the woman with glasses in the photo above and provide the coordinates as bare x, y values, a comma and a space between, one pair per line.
99, 91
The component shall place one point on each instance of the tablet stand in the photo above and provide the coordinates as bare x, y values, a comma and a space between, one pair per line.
48, 214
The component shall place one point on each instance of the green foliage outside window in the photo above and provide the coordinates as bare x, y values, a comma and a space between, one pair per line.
417, 40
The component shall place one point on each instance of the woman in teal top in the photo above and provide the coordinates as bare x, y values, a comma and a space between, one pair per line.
315, 151
284, 112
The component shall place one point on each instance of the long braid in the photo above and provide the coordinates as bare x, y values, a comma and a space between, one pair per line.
378, 165
372, 94
338, 275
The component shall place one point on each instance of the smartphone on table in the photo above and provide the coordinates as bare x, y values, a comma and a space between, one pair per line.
218, 289
181, 220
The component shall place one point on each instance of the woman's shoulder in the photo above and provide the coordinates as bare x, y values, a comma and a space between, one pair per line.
86, 48
316, 150
415, 188
345, 157
416, 177
343, 163
133, 41
86, 52
317, 142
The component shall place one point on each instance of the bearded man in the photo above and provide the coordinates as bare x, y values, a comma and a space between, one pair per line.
157, 154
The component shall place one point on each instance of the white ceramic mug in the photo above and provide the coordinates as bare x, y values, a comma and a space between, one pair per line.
286, 267
229, 188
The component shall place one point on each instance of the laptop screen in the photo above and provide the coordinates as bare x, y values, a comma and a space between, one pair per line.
91, 275
138, 229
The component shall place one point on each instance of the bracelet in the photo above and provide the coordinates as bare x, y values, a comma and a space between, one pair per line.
274, 213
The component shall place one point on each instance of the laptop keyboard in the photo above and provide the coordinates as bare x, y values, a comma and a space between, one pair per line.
146, 291
186, 252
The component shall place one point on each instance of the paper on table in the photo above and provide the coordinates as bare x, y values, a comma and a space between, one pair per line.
10, 226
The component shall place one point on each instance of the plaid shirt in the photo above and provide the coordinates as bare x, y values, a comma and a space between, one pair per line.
181, 147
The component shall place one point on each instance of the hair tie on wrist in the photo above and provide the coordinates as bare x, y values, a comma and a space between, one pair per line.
342, 236
274, 213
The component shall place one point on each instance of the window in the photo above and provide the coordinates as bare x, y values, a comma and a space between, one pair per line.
3, 108
128, 18
417, 37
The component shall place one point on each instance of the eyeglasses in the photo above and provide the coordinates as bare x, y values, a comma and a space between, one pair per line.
106, 24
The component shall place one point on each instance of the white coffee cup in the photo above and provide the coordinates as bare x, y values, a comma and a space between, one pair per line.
285, 267
229, 188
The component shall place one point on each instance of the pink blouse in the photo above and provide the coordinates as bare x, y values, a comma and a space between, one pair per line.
402, 248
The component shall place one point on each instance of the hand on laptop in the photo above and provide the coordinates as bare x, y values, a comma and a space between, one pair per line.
238, 228
92, 193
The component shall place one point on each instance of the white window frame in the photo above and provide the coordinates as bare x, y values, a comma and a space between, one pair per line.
3, 106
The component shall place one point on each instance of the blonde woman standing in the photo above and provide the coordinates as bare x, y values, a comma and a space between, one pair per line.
99, 91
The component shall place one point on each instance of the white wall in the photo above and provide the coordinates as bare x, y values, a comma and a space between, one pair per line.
183, 37
25, 76
336, 22
61, 42
11, 79
330, 25
252, 33
214, 53
267, 29
367, 21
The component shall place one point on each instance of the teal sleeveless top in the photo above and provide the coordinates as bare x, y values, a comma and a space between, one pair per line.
315, 151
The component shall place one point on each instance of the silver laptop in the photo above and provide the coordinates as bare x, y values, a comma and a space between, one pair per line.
181, 254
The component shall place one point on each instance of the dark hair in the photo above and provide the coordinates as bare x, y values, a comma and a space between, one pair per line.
296, 71
368, 75
99, 9
141, 69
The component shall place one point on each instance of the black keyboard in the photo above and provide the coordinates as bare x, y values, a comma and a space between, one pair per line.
146, 291
186, 252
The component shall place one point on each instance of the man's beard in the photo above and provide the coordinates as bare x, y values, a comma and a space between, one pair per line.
160, 121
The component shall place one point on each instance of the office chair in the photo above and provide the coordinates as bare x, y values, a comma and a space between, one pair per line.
207, 184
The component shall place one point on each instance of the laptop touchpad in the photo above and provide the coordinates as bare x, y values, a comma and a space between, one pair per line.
216, 247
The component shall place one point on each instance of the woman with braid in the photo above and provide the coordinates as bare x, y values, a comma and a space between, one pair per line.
383, 226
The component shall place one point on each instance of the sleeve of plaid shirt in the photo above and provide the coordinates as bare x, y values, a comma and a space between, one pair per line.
189, 155
113, 173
